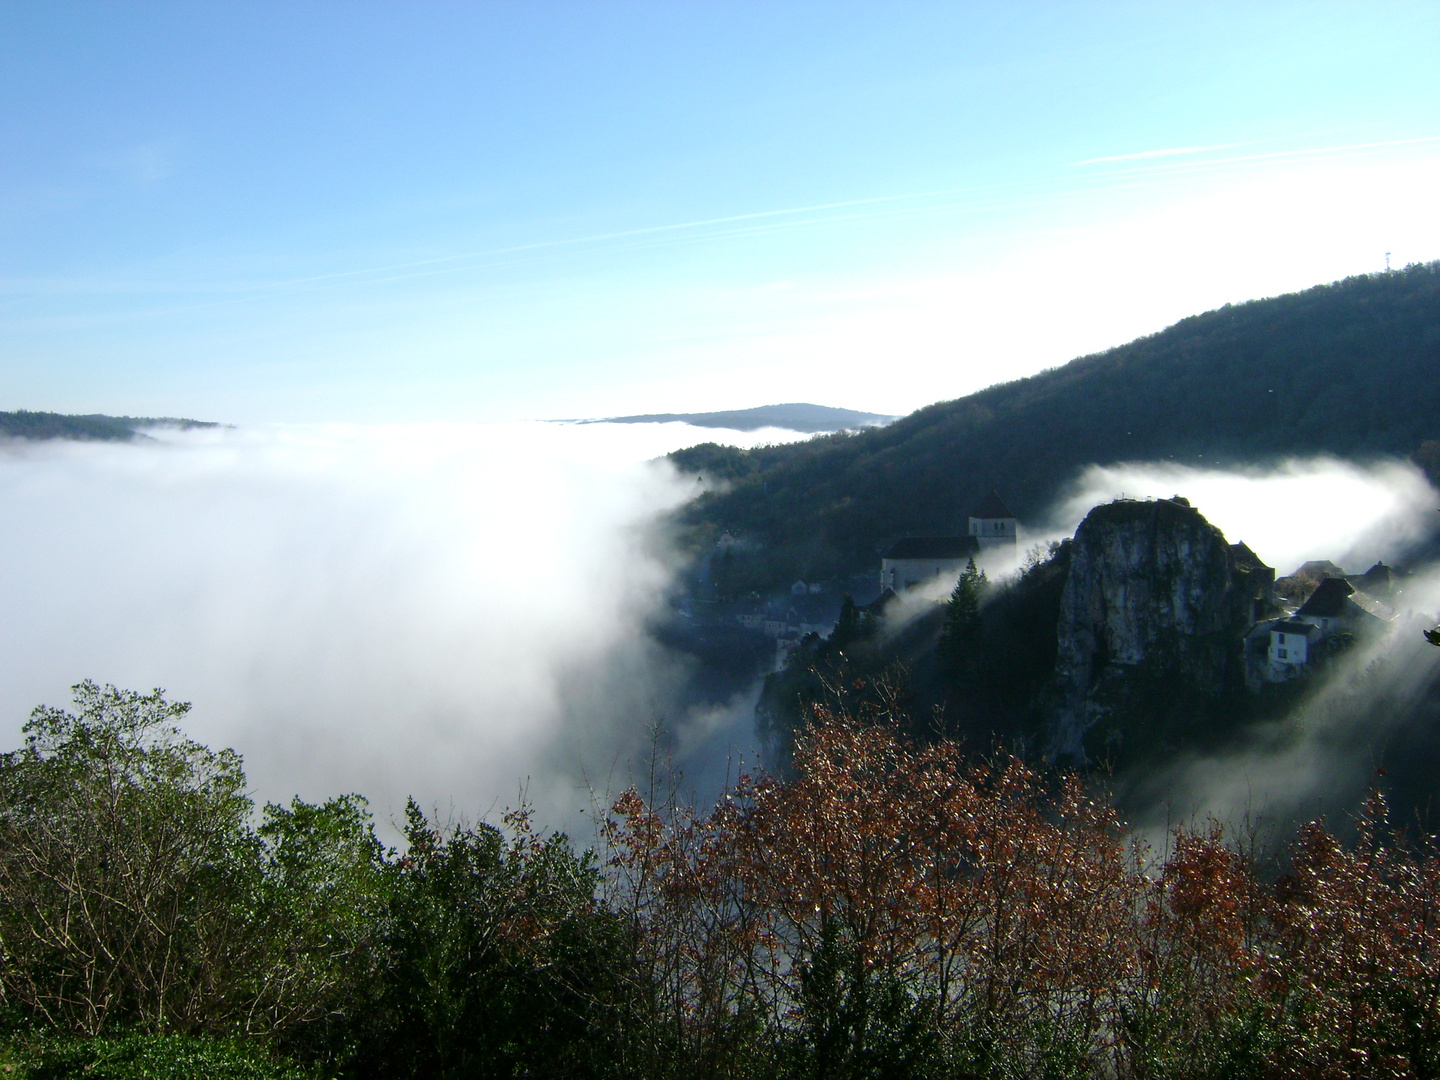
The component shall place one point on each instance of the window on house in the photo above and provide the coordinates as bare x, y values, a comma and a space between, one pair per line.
1283, 654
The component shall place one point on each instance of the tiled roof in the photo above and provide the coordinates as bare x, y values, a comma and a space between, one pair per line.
1371, 606
933, 547
881, 602
1328, 599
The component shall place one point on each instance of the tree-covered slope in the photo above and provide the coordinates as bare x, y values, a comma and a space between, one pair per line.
1351, 368
23, 424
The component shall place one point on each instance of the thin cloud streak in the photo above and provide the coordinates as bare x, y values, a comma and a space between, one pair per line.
791, 211
1049, 191
1169, 152
1278, 155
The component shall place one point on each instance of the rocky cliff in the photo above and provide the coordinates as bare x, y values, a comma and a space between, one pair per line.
1152, 623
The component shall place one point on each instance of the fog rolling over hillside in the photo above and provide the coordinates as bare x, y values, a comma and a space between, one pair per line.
796, 416
468, 612
451, 611
1347, 369
1363, 718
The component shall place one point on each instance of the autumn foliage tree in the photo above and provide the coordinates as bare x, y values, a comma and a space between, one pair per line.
903, 910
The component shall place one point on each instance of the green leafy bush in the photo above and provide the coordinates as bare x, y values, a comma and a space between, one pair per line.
154, 1057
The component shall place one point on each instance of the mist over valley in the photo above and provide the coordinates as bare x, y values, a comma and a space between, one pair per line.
719, 542
475, 615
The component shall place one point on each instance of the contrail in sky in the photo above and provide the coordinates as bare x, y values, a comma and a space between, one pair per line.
756, 216
1158, 153
880, 207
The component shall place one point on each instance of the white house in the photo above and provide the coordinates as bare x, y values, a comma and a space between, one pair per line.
1290, 641
992, 524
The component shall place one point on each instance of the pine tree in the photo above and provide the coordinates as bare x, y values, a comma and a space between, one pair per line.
962, 616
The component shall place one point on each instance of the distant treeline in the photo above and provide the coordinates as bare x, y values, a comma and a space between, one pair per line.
95, 426
893, 911
1346, 369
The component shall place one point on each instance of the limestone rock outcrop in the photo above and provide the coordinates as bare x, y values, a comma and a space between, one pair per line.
1152, 624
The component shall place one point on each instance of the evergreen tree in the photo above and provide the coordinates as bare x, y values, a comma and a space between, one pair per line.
847, 626
962, 617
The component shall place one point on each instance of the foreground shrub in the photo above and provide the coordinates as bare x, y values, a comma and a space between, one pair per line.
151, 1057
894, 910
128, 870
499, 960
1357, 967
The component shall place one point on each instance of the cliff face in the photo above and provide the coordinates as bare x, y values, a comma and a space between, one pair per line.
1152, 621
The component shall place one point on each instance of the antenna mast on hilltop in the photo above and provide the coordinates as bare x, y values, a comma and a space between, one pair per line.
1387, 262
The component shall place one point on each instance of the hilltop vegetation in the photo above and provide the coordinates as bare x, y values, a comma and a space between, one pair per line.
23, 424
1346, 369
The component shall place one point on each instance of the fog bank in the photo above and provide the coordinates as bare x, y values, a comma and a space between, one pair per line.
1304, 508
447, 611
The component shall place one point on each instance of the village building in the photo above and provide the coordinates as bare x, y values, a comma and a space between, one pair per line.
1319, 570
918, 560
1290, 641
1259, 579
992, 524
806, 611
1278, 649
1382, 582
1337, 606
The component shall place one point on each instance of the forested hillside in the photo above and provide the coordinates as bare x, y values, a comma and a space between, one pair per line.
1348, 368
23, 424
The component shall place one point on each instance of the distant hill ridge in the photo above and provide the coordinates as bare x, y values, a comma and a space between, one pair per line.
795, 416
23, 424
1351, 368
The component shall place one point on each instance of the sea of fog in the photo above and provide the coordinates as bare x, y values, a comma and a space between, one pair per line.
457, 612
448, 611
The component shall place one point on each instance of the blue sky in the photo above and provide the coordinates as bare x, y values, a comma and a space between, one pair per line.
374, 212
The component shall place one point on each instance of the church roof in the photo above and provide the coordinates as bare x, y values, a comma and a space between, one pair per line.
992, 506
933, 547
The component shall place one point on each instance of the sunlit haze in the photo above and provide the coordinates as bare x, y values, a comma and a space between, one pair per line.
384, 213
383, 609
